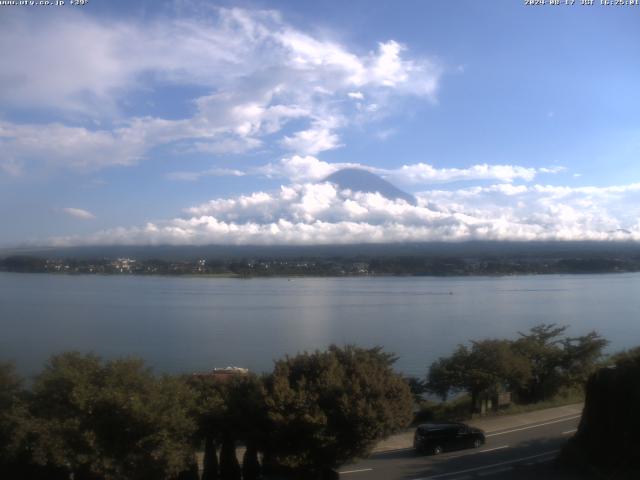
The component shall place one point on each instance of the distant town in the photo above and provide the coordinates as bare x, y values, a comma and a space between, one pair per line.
361, 265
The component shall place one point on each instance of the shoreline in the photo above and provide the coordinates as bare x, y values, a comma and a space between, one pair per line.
299, 276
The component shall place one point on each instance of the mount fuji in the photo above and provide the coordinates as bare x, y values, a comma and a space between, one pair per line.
356, 179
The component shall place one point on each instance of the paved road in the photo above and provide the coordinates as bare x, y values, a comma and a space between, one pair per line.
505, 452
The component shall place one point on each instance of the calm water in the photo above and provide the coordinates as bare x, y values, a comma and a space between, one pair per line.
191, 324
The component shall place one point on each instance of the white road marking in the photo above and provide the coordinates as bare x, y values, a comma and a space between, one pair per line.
533, 426
568, 432
355, 471
485, 467
492, 449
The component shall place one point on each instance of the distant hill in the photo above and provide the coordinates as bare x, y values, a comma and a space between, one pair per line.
359, 180
532, 250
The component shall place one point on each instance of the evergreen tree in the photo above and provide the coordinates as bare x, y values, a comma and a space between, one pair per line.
229, 466
326, 408
229, 410
250, 464
210, 461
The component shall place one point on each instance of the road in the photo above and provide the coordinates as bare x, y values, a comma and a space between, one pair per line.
504, 453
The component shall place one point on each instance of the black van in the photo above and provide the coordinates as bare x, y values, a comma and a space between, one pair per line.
436, 437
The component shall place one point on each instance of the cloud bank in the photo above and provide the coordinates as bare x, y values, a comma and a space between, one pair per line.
319, 213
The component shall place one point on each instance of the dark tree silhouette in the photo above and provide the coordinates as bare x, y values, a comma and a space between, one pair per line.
229, 466
328, 407
210, 461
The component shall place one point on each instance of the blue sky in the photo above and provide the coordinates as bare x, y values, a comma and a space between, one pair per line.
216, 122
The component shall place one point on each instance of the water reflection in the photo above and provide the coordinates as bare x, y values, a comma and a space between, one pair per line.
188, 324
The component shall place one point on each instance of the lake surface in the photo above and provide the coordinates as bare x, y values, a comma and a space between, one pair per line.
194, 324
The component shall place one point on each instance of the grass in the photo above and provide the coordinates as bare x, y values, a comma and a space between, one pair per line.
565, 397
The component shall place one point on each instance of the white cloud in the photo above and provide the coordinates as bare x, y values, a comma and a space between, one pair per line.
57, 144
212, 172
309, 168
296, 168
79, 213
318, 213
301, 169
385, 133
391, 70
318, 138
425, 173
261, 74
556, 169
77, 78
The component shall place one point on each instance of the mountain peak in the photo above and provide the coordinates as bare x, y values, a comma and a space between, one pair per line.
357, 179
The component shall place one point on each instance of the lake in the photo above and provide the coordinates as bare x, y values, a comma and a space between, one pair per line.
195, 324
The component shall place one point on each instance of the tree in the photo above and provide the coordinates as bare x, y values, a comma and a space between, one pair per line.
111, 420
581, 356
328, 407
14, 425
446, 375
244, 419
488, 367
557, 362
542, 347
250, 466
625, 356
418, 387
229, 411
210, 460
229, 466
11, 399
535, 366
207, 411
192, 473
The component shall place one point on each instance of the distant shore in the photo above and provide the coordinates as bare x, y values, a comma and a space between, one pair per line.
337, 266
